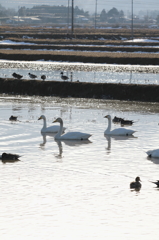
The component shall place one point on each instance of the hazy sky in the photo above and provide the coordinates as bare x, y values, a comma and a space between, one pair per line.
88, 5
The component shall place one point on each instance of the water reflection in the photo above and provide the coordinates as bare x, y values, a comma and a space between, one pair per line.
154, 160
69, 143
9, 160
118, 138
44, 135
59, 144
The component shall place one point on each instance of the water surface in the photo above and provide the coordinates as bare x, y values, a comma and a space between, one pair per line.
95, 73
77, 190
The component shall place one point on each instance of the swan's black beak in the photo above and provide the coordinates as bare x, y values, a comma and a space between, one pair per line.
54, 121
106, 116
39, 118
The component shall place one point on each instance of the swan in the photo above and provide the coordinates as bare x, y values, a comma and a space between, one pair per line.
69, 135
153, 153
51, 129
117, 131
136, 184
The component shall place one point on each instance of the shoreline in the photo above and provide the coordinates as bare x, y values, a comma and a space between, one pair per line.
109, 91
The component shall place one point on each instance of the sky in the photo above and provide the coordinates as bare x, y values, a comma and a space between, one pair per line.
88, 5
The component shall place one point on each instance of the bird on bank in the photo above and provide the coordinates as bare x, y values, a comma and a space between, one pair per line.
136, 184
18, 76
43, 77
63, 77
32, 76
157, 183
13, 118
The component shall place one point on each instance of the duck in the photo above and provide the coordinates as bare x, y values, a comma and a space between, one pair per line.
126, 122
117, 131
13, 118
43, 77
63, 77
117, 119
51, 129
153, 153
70, 135
18, 76
9, 157
32, 75
157, 183
136, 184
122, 121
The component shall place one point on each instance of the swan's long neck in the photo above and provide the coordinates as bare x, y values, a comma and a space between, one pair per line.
44, 121
109, 126
60, 130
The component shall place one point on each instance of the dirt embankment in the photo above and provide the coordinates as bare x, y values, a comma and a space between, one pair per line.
85, 57
86, 45
132, 92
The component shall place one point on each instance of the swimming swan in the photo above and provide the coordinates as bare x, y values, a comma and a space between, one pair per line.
51, 129
69, 135
153, 153
117, 131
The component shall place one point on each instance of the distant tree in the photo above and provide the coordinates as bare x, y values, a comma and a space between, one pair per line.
157, 19
103, 16
113, 13
121, 14
21, 11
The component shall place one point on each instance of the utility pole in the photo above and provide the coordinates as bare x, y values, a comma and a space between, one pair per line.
72, 17
96, 14
132, 30
68, 13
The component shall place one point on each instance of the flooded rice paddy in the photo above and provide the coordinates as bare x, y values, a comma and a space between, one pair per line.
77, 190
99, 73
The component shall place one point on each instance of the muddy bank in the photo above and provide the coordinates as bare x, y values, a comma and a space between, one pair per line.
84, 57
132, 92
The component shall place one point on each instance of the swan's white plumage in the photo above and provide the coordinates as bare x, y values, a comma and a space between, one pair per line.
153, 153
117, 131
70, 135
51, 129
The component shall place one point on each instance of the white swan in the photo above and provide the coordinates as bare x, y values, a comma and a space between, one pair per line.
70, 135
51, 129
153, 153
117, 131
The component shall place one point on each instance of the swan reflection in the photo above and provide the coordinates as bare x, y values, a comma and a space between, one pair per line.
121, 138
70, 144
44, 135
154, 160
